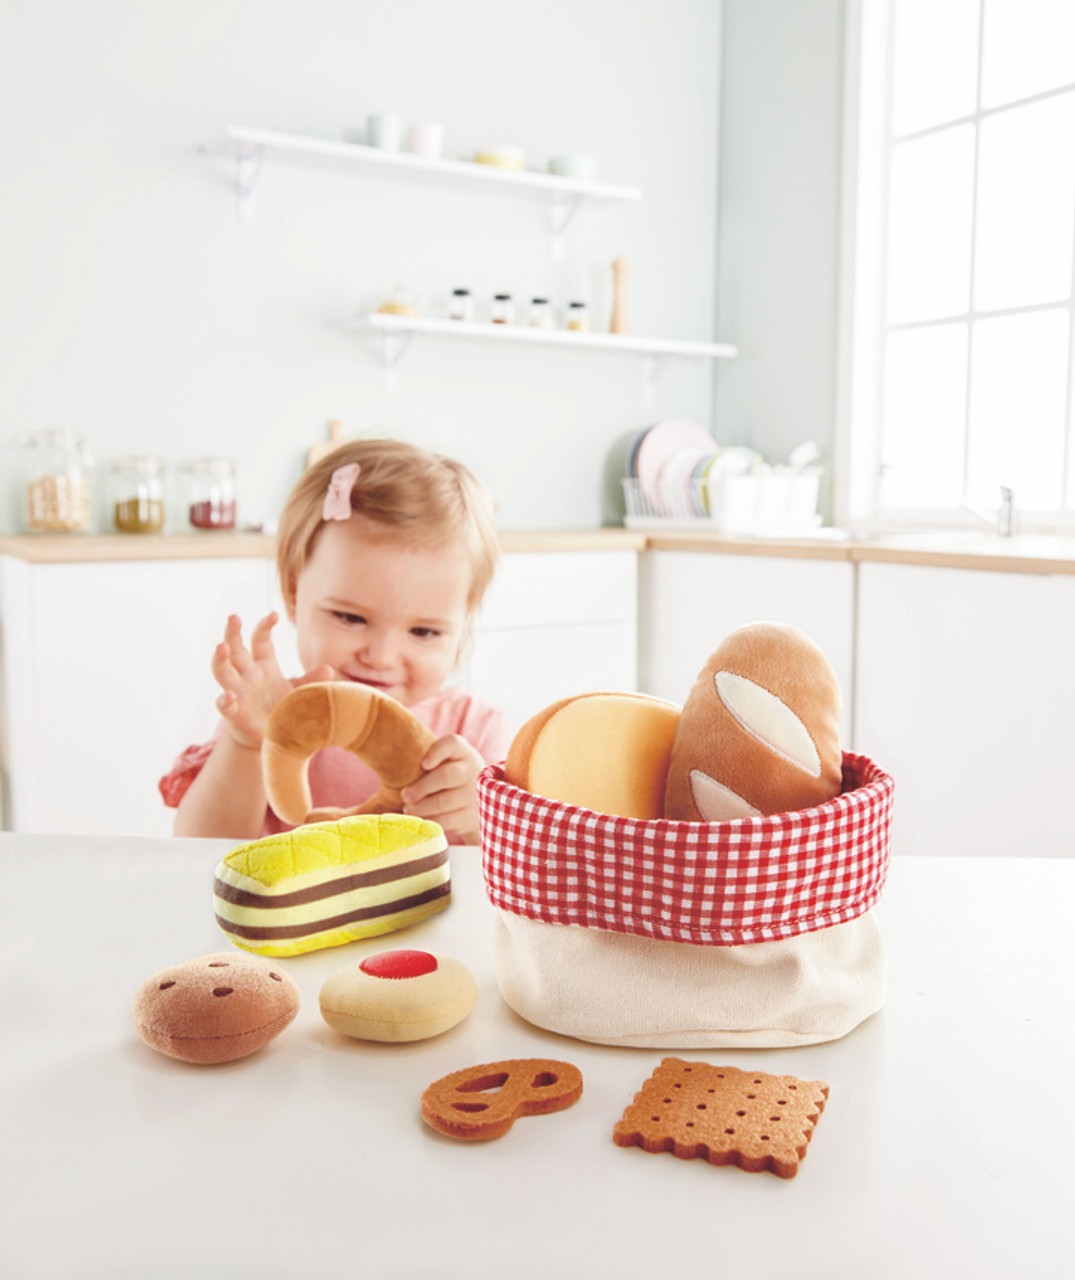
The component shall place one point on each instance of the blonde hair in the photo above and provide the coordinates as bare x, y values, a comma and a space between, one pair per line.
421, 497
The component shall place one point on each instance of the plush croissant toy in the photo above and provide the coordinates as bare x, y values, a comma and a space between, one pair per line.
759, 733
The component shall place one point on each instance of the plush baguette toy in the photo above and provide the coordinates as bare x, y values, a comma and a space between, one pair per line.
379, 730
329, 883
604, 751
759, 733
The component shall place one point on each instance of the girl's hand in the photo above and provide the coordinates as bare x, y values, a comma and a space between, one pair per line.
448, 790
251, 680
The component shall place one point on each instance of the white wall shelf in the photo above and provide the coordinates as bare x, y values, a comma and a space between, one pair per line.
397, 331
251, 147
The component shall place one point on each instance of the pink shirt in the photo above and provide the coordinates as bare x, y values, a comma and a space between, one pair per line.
338, 778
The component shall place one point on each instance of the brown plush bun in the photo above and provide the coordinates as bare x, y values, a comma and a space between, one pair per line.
605, 751
378, 729
214, 1008
759, 733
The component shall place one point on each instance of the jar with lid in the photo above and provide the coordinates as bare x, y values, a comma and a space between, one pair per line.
502, 310
210, 492
55, 476
540, 313
578, 317
136, 494
462, 305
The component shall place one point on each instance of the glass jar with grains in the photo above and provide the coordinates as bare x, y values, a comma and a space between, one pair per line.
55, 472
136, 494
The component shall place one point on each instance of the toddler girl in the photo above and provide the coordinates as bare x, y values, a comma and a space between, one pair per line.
384, 553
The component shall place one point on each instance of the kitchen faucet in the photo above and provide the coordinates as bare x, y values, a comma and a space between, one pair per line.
1004, 525
1006, 512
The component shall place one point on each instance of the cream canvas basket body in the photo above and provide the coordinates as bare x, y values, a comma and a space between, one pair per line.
755, 933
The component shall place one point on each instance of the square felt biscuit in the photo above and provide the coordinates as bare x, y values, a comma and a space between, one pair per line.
749, 1118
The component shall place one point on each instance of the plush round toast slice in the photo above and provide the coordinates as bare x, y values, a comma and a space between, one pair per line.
604, 751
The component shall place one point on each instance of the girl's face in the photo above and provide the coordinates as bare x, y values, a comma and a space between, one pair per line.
380, 611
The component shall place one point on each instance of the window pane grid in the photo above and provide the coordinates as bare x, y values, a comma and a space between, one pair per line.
984, 248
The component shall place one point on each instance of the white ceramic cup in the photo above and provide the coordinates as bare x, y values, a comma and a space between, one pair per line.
385, 131
427, 139
581, 168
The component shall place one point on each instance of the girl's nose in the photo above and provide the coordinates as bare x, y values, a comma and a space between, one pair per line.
376, 649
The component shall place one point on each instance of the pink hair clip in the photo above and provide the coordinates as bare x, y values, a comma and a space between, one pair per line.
337, 504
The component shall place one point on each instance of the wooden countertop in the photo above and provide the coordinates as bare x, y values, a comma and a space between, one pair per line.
75, 548
1023, 553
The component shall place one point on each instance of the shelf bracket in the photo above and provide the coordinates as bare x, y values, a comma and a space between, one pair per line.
654, 364
562, 208
394, 344
247, 171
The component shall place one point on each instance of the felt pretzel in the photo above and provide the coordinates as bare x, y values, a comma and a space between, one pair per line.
379, 730
484, 1102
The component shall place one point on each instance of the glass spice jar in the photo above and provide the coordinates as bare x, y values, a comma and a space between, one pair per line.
210, 491
462, 305
55, 472
136, 494
540, 313
502, 312
578, 317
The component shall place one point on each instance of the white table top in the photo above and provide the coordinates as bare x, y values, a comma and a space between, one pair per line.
943, 1150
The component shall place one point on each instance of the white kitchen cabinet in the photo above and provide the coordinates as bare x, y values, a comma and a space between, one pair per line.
965, 694
1057, 763
689, 601
106, 680
556, 624
106, 667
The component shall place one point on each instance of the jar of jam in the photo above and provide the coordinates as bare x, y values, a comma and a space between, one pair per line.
502, 312
136, 494
55, 473
210, 489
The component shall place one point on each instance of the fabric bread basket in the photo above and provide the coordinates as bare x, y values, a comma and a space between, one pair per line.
759, 932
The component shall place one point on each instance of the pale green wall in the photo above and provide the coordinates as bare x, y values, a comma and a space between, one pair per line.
779, 220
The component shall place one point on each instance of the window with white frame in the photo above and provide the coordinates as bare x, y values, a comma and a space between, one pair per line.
961, 253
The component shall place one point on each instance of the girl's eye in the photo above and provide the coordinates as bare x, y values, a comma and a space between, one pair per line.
425, 633
348, 617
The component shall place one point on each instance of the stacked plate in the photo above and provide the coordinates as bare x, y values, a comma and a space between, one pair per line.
670, 467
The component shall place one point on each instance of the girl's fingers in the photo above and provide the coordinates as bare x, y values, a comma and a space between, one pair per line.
453, 778
221, 666
261, 638
233, 638
455, 811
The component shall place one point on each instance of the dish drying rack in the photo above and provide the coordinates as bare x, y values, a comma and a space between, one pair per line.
770, 503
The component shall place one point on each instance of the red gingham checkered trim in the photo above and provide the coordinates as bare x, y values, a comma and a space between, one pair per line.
710, 883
